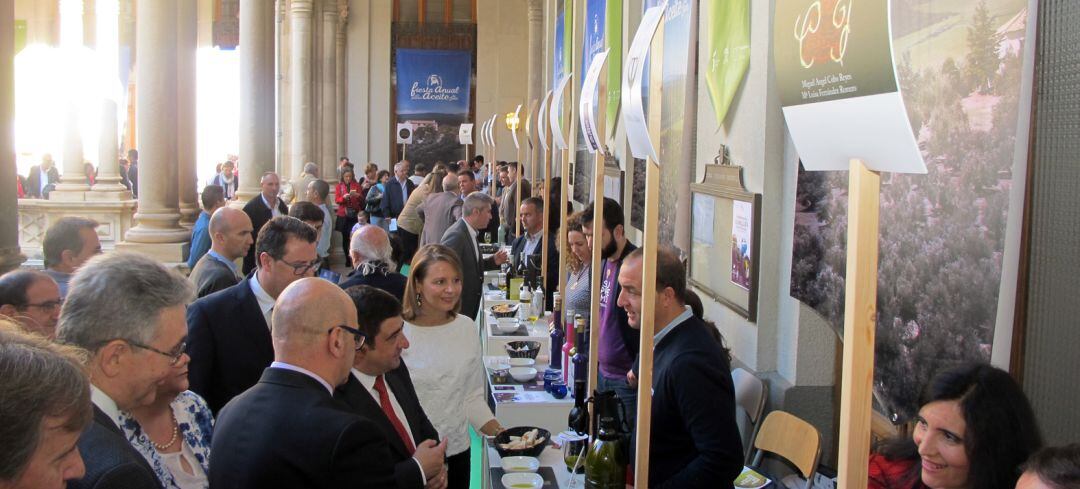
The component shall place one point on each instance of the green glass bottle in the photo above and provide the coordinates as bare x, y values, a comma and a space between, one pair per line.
605, 467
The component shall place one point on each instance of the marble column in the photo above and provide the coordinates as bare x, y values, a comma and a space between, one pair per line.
339, 53
108, 186
158, 232
187, 30
256, 95
300, 79
536, 75
10, 256
73, 175
327, 159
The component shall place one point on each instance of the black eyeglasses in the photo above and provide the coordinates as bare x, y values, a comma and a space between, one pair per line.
302, 268
48, 306
174, 356
358, 335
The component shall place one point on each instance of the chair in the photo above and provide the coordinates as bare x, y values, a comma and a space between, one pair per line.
750, 397
791, 438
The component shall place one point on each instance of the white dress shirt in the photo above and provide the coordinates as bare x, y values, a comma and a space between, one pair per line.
43, 176
368, 382
274, 212
106, 405
266, 303
294, 368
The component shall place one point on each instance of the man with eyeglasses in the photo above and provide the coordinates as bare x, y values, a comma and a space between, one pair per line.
288, 430
127, 311
229, 331
32, 299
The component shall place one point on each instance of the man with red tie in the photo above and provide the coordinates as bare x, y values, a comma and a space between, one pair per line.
381, 390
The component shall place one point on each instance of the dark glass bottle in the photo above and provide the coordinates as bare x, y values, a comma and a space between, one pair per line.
558, 334
581, 357
605, 466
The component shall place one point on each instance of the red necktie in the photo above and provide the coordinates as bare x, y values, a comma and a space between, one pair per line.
388, 409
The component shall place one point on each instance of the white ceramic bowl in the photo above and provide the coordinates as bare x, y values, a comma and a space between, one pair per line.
522, 362
523, 374
520, 464
506, 325
522, 480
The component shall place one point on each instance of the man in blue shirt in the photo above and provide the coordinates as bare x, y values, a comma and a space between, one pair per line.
213, 198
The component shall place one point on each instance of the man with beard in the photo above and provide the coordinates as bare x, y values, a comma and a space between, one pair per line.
618, 341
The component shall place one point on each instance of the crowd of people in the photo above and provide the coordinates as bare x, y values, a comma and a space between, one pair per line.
119, 372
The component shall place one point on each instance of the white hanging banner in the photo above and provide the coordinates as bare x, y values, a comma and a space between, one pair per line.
491, 128
516, 122
587, 103
465, 134
558, 139
637, 130
542, 128
404, 133
484, 133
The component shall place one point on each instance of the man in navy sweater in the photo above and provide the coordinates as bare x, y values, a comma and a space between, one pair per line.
694, 439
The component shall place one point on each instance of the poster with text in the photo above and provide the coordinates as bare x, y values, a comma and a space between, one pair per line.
593, 44
741, 217
433, 88
941, 247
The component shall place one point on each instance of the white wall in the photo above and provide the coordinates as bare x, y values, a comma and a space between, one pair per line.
502, 67
367, 54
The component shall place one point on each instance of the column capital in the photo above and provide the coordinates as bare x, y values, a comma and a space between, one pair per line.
301, 7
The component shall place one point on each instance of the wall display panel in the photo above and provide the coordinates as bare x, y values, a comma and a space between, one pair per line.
942, 234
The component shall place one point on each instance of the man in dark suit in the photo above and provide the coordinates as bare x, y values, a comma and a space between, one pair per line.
527, 247
229, 331
461, 237
508, 202
42, 178
398, 190
288, 430
128, 311
231, 236
262, 208
440, 211
371, 252
46, 418
694, 440
381, 390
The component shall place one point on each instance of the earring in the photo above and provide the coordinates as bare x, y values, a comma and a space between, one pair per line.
419, 301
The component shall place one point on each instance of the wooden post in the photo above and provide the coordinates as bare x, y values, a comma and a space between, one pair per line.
650, 244
517, 189
546, 161
860, 318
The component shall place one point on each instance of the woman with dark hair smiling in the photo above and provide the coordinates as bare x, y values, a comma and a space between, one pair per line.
974, 430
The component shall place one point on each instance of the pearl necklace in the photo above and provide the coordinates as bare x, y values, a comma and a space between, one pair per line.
175, 435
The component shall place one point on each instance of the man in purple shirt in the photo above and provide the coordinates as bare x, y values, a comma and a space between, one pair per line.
618, 341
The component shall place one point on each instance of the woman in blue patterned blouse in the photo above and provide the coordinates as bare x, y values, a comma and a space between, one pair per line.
173, 433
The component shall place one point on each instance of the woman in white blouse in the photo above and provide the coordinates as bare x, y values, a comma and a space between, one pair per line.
444, 356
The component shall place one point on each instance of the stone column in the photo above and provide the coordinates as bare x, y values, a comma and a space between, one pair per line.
158, 232
300, 79
73, 178
108, 186
256, 95
339, 53
536, 74
187, 31
10, 256
328, 47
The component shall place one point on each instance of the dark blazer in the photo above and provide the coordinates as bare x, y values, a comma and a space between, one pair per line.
394, 282
289, 432
211, 275
133, 177
228, 342
551, 282
33, 181
406, 471
259, 214
392, 201
695, 441
439, 211
111, 461
458, 239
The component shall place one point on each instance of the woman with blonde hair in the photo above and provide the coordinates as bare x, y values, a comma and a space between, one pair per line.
444, 356
410, 224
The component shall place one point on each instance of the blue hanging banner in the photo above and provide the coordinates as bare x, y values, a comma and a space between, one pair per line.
433, 88
433, 84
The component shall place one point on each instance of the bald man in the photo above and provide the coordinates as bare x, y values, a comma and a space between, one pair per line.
261, 208
288, 430
231, 236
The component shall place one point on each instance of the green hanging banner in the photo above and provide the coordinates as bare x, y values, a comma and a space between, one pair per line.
729, 52
613, 36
